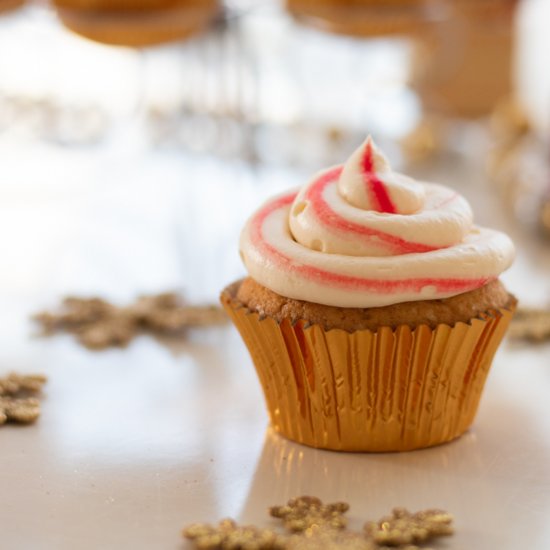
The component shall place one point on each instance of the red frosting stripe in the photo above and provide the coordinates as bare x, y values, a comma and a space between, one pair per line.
380, 198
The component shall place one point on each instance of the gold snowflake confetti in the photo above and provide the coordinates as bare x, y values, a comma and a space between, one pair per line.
530, 324
317, 526
98, 324
75, 313
117, 331
147, 308
14, 384
23, 411
16, 403
168, 313
403, 528
305, 512
227, 535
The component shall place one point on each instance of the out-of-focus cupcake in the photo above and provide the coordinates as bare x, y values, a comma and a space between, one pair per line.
8, 5
137, 22
373, 308
363, 17
463, 66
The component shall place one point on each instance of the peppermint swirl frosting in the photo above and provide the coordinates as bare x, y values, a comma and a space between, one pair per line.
361, 235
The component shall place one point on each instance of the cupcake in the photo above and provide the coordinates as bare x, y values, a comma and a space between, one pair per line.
362, 17
373, 308
136, 22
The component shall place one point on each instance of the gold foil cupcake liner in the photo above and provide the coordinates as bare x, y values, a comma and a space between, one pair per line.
390, 390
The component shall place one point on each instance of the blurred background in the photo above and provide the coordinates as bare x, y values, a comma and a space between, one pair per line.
137, 136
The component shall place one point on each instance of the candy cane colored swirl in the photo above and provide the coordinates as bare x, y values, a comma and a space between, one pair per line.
360, 235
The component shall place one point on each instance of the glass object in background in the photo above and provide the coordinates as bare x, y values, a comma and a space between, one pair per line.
136, 22
197, 94
337, 86
59, 88
254, 85
142, 23
216, 107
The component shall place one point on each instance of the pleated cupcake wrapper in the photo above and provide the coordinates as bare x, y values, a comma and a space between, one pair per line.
390, 390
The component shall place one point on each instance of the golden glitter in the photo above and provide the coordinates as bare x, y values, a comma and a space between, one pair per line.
303, 513
404, 528
530, 324
16, 403
98, 324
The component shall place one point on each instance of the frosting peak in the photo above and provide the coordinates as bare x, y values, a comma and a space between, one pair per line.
361, 235
368, 182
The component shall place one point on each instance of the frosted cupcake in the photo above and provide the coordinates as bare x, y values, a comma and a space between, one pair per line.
373, 308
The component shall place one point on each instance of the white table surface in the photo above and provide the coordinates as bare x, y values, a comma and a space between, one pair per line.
134, 444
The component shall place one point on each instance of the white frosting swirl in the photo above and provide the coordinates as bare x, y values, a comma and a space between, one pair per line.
360, 235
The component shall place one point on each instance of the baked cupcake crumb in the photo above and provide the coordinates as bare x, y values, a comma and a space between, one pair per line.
449, 311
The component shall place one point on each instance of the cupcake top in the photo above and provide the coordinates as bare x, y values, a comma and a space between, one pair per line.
361, 235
